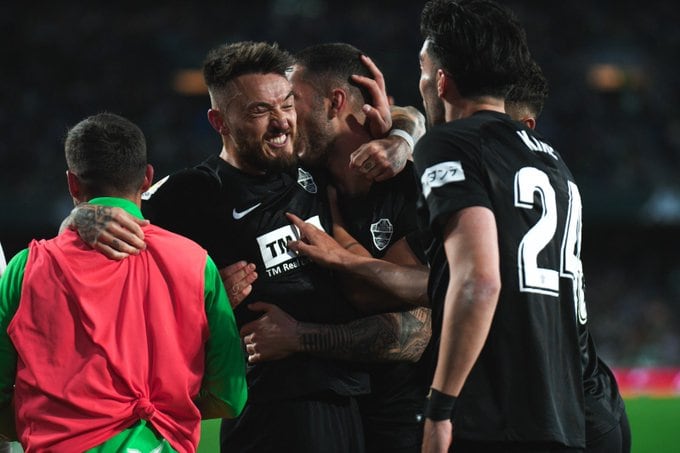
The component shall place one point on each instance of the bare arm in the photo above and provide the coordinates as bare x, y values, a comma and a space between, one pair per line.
398, 283
470, 303
399, 336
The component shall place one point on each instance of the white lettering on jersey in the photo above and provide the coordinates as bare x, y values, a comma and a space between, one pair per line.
152, 190
441, 174
276, 255
536, 145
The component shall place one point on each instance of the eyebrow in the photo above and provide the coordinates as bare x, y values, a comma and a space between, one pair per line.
267, 104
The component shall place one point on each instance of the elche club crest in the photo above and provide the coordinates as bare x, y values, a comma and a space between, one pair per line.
382, 233
306, 181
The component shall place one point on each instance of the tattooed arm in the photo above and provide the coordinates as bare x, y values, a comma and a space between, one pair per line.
389, 336
111, 231
398, 336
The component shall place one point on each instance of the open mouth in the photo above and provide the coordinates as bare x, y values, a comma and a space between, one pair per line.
278, 141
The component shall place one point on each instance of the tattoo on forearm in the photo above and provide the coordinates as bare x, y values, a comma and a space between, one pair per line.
90, 221
390, 336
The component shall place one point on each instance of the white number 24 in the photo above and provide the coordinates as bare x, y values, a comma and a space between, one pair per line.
532, 278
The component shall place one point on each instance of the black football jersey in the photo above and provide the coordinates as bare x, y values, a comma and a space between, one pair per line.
237, 216
377, 220
527, 385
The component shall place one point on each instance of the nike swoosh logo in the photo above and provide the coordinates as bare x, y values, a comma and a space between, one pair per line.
239, 215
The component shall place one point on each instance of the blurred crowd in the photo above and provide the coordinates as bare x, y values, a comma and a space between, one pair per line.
613, 114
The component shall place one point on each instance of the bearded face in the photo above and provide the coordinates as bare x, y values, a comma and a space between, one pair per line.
262, 122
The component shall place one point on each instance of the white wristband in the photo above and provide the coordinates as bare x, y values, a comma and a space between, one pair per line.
405, 135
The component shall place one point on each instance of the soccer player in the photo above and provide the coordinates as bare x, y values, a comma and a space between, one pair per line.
73, 376
234, 203
607, 428
329, 105
506, 277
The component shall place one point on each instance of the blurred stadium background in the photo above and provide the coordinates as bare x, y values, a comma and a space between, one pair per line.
613, 114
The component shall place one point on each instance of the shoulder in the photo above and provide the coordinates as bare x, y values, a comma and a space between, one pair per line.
184, 187
159, 236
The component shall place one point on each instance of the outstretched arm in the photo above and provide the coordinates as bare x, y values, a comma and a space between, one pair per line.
399, 284
399, 336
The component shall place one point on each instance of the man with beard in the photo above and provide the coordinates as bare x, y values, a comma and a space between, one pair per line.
329, 103
233, 204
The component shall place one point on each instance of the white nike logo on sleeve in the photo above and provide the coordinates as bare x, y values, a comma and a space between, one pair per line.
239, 215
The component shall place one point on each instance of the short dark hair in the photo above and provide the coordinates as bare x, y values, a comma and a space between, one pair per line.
478, 43
108, 154
530, 92
329, 64
228, 61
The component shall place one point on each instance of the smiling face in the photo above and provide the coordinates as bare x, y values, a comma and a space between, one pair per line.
433, 104
261, 122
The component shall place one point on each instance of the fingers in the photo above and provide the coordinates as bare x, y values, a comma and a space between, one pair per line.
295, 220
251, 348
238, 279
307, 230
113, 248
297, 246
378, 115
109, 251
380, 159
128, 228
371, 161
122, 238
378, 119
236, 294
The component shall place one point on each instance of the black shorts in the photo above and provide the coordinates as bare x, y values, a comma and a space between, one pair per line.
463, 446
393, 437
618, 440
329, 424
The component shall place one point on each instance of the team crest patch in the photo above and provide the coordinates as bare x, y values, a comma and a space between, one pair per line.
382, 233
306, 181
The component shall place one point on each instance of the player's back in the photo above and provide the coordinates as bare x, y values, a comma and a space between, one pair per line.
77, 331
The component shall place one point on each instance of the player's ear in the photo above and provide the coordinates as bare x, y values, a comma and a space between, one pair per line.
216, 120
338, 102
148, 178
75, 186
529, 122
443, 81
